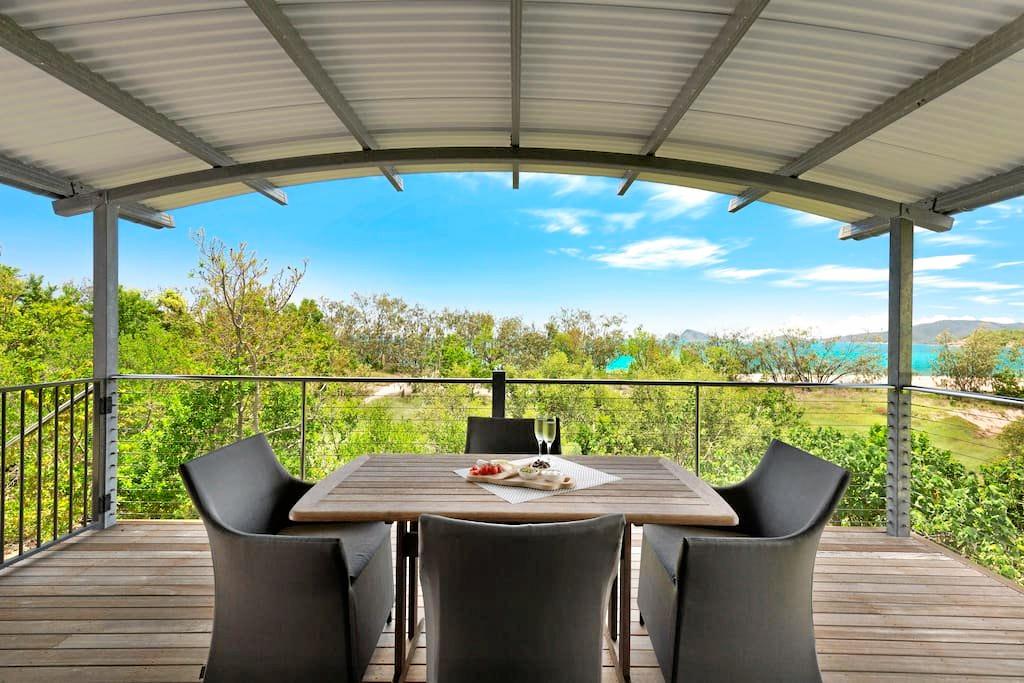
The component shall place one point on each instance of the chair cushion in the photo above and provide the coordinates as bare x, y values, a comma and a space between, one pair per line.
667, 541
359, 540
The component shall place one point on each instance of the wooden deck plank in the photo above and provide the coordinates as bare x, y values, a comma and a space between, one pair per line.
134, 603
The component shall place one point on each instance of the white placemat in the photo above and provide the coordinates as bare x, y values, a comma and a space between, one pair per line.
586, 477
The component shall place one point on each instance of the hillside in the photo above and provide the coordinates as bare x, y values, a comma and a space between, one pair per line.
928, 333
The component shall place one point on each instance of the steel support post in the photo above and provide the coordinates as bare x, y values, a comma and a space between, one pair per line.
901, 307
105, 364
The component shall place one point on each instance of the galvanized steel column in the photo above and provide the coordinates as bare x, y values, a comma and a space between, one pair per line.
901, 307
104, 363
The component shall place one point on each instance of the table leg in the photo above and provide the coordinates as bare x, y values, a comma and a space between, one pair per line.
412, 550
400, 598
625, 598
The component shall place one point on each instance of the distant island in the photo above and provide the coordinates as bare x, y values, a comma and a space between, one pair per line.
929, 333
925, 333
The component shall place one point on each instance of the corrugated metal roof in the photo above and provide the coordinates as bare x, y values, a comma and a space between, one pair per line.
596, 74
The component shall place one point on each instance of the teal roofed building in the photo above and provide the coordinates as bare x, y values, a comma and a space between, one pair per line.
621, 364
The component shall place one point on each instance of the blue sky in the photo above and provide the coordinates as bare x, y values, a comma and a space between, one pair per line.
668, 258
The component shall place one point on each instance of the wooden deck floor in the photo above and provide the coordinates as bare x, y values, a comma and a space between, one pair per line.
134, 603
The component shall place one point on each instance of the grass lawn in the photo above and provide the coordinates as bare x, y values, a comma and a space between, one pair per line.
856, 411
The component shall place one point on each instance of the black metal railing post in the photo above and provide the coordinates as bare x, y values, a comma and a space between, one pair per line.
21, 473
498, 393
3, 470
696, 429
39, 467
302, 435
56, 461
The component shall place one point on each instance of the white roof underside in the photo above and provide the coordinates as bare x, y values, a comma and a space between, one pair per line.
596, 75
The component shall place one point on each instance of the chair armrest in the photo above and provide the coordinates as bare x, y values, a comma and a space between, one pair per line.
283, 564
738, 496
278, 597
729, 568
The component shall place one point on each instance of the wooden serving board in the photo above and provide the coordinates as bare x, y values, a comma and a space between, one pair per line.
515, 480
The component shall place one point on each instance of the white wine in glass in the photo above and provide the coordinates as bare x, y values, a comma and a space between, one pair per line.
550, 431
538, 432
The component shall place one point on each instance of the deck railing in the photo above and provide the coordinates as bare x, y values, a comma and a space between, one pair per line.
46, 494
717, 428
966, 483
967, 475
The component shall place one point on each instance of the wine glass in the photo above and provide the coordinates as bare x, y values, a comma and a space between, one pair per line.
550, 430
538, 432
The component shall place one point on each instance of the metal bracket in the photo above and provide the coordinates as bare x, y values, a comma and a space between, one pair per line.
105, 405
108, 502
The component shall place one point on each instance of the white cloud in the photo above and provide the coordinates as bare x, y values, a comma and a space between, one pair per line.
951, 262
1008, 264
856, 274
584, 221
623, 221
664, 252
834, 273
876, 294
954, 239
739, 274
942, 282
565, 184
670, 201
1012, 207
805, 220
562, 220
986, 300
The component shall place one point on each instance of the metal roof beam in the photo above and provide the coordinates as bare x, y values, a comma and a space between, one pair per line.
516, 76
43, 55
683, 169
997, 188
38, 181
739, 22
295, 46
985, 54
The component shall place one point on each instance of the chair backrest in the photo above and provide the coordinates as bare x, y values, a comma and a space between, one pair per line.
241, 486
516, 602
506, 436
790, 491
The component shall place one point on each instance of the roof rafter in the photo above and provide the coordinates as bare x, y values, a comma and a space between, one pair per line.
41, 54
983, 55
39, 181
683, 169
996, 188
737, 25
295, 46
516, 76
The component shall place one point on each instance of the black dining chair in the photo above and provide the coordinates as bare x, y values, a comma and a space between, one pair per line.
506, 436
735, 604
513, 603
292, 602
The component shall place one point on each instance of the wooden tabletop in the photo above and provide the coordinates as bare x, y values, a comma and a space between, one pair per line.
402, 487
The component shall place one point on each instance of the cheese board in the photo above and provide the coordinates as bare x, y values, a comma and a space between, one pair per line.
519, 473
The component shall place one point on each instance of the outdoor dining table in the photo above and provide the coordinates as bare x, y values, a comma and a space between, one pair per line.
400, 488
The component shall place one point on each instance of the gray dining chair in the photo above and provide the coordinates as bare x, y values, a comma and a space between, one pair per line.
735, 604
292, 602
506, 436
518, 602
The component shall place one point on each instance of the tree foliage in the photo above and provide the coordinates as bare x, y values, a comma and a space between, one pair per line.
242, 318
